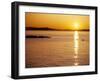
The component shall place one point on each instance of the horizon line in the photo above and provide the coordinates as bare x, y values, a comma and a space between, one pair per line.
47, 28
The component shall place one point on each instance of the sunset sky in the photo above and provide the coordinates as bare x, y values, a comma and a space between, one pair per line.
57, 21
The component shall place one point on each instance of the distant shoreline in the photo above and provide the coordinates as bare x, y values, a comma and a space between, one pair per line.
50, 29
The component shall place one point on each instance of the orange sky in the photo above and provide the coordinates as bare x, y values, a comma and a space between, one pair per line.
57, 21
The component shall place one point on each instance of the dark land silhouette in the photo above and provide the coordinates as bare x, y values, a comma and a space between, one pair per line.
47, 28
36, 36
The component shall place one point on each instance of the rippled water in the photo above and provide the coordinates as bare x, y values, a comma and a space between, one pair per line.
63, 48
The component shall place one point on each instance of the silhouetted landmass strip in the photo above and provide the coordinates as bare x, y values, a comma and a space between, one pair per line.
34, 36
46, 28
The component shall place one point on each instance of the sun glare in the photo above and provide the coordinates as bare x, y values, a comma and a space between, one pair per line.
76, 25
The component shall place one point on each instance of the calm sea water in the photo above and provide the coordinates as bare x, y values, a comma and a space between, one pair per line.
63, 48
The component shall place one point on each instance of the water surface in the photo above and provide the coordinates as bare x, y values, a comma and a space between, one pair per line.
63, 48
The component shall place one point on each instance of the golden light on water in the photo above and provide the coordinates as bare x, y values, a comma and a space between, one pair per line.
75, 56
54, 39
76, 47
76, 64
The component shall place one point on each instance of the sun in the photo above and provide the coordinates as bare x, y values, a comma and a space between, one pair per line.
76, 25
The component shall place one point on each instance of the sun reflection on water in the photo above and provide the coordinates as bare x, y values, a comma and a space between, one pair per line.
76, 47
